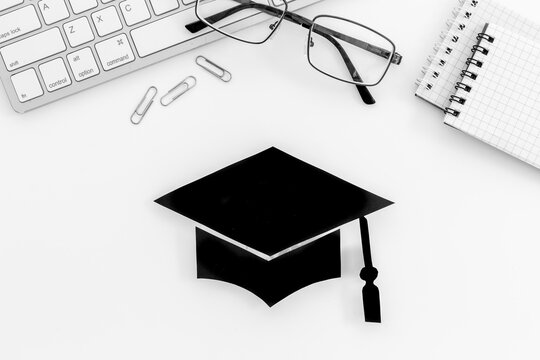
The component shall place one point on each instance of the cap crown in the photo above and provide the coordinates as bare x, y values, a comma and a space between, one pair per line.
272, 201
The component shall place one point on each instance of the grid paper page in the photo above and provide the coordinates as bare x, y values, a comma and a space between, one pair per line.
503, 106
438, 83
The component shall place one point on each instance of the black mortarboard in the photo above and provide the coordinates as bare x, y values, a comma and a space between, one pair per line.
275, 219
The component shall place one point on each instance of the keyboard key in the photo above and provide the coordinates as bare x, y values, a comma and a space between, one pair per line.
80, 6
189, 2
162, 6
18, 23
53, 10
78, 32
32, 49
27, 85
6, 4
114, 52
106, 21
163, 33
55, 75
83, 64
134, 11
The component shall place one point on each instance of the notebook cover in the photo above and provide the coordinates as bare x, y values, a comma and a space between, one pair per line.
469, 18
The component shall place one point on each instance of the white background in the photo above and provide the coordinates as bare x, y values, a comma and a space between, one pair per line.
91, 268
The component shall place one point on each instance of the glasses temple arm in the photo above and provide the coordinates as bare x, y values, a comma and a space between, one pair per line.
365, 94
306, 23
396, 59
321, 30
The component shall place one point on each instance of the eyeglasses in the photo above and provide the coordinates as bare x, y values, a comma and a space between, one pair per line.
336, 47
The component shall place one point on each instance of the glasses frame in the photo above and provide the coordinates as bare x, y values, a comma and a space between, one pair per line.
393, 56
273, 29
311, 30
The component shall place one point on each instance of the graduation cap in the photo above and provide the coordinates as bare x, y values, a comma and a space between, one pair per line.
272, 226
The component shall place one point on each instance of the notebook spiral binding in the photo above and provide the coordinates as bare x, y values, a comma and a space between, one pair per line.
453, 27
471, 61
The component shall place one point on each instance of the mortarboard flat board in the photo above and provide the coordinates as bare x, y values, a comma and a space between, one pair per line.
271, 224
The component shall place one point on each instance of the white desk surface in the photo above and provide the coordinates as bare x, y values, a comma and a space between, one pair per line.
91, 268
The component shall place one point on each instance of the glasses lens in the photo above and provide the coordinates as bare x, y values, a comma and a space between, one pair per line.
225, 16
348, 51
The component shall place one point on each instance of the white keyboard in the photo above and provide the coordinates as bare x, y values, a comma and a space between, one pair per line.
50, 49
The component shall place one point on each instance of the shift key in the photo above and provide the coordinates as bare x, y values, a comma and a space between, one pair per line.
32, 49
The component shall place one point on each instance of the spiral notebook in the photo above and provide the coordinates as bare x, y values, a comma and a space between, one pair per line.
498, 98
446, 63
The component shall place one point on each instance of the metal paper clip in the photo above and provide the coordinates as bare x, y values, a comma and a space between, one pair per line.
144, 105
213, 68
179, 90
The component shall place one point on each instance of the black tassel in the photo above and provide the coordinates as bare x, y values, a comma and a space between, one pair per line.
370, 295
370, 292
